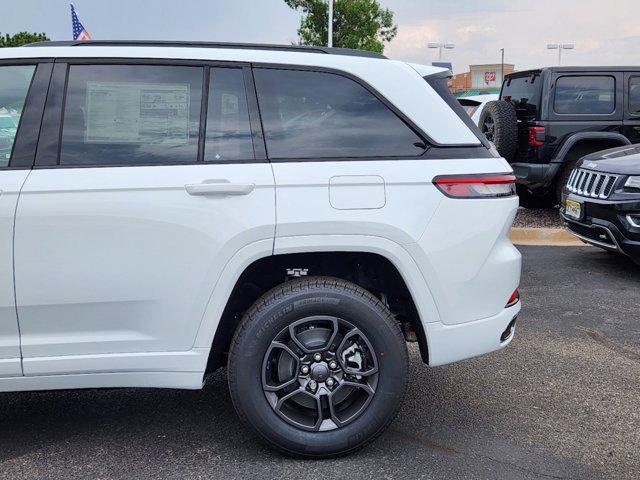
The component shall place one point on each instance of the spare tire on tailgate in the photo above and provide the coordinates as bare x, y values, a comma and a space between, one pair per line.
499, 123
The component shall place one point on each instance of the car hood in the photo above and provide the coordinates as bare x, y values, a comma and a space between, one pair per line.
620, 160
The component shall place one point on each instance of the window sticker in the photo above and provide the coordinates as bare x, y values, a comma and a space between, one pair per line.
229, 104
118, 112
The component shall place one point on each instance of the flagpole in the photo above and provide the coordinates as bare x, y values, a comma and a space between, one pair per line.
330, 36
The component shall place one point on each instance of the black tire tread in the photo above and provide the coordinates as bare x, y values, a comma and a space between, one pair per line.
300, 286
505, 127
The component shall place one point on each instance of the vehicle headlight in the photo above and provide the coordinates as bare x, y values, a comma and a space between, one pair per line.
633, 182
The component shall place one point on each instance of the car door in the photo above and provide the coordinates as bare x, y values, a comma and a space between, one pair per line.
23, 86
138, 200
586, 102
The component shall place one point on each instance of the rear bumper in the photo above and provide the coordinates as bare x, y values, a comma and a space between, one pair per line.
450, 343
535, 175
604, 224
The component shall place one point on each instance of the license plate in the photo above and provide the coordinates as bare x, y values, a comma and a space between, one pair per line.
573, 209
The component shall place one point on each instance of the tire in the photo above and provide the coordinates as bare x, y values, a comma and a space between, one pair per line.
256, 365
562, 178
499, 123
542, 199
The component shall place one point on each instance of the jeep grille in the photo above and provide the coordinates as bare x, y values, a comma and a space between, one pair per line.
591, 184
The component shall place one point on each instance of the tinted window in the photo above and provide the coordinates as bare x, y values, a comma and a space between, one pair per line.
634, 94
315, 115
522, 90
14, 84
131, 114
585, 95
228, 127
524, 93
470, 106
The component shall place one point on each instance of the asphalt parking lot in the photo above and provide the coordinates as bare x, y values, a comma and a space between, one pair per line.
562, 401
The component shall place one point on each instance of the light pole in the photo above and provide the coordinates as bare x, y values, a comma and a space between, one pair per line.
440, 46
560, 47
330, 35
502, 66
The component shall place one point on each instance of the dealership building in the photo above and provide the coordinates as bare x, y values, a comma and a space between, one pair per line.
480, 79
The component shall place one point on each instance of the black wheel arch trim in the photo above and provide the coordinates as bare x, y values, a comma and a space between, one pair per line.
562, 154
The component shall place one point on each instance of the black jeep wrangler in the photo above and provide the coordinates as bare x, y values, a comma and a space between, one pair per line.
547, 119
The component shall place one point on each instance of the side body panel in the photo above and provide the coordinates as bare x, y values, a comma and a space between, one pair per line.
18, 151
561, 127
10, 183
123, 260
461, 247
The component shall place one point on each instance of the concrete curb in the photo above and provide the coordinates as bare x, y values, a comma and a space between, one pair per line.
553, 237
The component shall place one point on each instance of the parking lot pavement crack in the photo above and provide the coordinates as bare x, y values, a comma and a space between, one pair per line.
452, 451
625, 351
425, 443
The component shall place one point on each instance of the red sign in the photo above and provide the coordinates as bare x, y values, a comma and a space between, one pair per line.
489, 77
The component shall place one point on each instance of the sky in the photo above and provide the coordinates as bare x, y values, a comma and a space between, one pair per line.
604, 32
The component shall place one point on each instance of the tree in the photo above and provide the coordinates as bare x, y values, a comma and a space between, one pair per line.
360, 24
22, 38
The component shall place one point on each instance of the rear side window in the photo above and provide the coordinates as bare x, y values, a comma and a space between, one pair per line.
228, 127
579, 95
14, 85
131, 114
324, 115
470, 106
634, 94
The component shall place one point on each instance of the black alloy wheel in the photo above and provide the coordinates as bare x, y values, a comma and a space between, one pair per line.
318, 367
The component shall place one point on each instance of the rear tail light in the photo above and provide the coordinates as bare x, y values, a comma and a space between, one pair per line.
477, 186
513, 299
536, 136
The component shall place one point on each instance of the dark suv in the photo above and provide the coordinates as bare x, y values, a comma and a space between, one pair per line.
601, 201
547, 119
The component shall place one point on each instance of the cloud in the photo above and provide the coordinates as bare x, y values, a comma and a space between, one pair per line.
469, 29
604, 33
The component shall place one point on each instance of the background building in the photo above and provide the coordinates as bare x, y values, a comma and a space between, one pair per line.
485, 78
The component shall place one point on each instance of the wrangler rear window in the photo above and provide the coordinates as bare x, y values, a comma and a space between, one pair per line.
522, 91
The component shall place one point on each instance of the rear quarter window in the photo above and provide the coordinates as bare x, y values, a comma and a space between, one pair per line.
634, 94
307, 114
584, 95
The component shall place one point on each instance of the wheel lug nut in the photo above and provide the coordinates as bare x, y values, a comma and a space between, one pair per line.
304, 369
330, 382
317, 357
333, 364
312, 385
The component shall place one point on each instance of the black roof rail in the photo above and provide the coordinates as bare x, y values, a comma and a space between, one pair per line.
246, 46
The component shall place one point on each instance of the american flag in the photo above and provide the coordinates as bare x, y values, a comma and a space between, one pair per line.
79, 32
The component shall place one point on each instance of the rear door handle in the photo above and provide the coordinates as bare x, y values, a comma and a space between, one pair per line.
219, 188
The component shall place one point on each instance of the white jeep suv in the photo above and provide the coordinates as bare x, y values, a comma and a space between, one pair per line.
294, 214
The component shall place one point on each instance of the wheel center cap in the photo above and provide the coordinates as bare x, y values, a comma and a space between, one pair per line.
319, 372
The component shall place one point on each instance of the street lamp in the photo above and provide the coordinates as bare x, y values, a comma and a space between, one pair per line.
440, 46
560, 47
